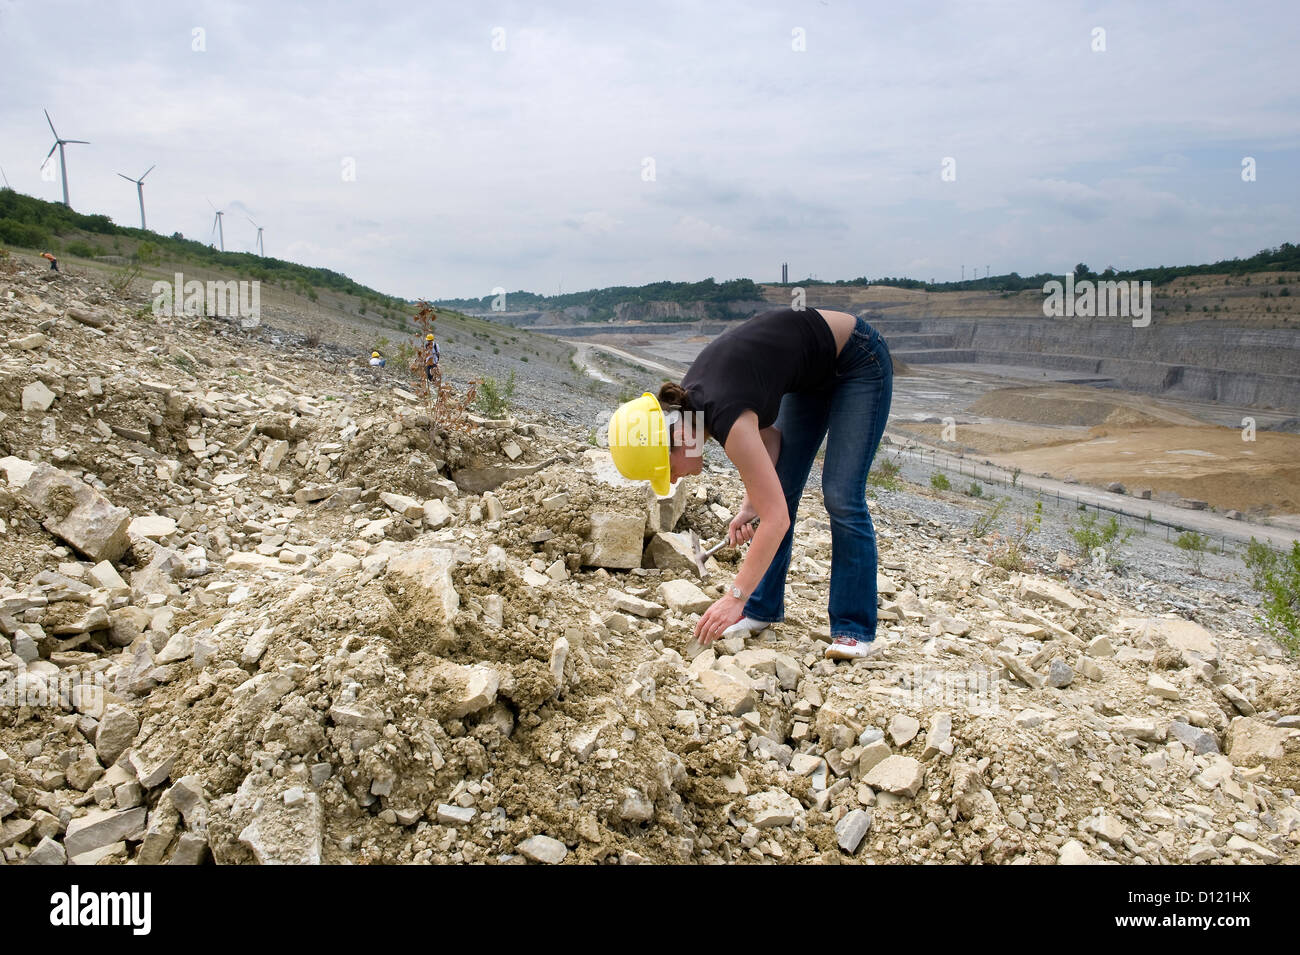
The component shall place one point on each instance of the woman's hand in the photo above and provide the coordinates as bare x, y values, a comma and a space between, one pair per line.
724, 612
741, 529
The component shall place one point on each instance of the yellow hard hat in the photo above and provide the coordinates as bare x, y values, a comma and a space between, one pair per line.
374, 354
428, 338
638, 442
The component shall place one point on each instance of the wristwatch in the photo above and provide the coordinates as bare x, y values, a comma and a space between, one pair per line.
736, 592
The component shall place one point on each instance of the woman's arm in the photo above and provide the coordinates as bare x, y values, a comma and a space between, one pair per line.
753, 458
742, 528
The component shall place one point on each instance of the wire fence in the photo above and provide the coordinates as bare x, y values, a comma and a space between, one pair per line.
1146, 525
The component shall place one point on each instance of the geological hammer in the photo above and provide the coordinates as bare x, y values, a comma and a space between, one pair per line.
700, 554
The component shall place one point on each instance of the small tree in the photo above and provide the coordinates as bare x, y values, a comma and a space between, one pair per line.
1276, 575
494, 399
1090, 534
1195, 545
939, 481
885, 474
1011, 555
447, 410
986, 521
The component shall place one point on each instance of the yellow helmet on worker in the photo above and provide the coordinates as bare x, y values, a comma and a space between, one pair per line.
639, 442
374, 354
428, 338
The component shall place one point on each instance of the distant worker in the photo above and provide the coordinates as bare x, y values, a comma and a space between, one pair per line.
769, 391
430, 359
54, 263
376, 361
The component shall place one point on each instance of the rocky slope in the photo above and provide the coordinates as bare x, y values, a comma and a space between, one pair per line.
255, 609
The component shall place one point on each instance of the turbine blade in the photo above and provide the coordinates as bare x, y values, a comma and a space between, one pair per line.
147, 171
209, 202
49, 154
127, 178
51, 122
82, 141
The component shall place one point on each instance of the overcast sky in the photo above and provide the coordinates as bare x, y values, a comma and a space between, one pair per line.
527, 166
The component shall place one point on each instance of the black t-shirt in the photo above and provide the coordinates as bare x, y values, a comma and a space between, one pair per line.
751, 367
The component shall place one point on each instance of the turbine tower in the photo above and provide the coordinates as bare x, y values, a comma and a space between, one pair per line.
260, 251
139, 184
6, 179
63, 162
216, 226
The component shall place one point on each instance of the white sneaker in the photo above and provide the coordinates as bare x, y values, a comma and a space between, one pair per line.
846, 648
745, 627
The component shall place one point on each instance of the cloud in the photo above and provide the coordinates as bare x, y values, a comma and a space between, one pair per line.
522, 165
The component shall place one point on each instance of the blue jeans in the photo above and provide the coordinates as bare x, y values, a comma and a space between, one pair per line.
851, 408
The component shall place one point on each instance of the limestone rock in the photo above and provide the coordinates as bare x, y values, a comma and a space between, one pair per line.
634, 605
939, 737
772, 807
117, 730
37, 397
614, 541
682, 596
436, 514
673, 553
1198, 740
469, 688
1184, 635
733, 695
903, 728
408, 507
77, 513
900, 775
1073, 853
280, 834
423, 577
1048, 591
103, 827
543, 849
850, 831
1251, 741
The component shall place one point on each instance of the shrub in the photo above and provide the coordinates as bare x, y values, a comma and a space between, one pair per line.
1011, 555
939, 481
81, 249
1089, 534
987, 519
493, 399
1276, 575
885, 474
976, 489
1195, 545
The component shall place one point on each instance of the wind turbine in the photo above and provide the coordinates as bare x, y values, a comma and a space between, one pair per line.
63, 162
260, 251
139, 184
216, 226
6, 179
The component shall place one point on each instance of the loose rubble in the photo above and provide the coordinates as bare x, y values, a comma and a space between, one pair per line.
253, 612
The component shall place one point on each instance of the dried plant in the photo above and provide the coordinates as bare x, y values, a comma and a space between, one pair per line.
448, 411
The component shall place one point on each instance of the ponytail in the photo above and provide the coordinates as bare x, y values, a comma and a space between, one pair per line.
673, 396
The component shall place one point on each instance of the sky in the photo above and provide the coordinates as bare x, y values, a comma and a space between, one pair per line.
448, 149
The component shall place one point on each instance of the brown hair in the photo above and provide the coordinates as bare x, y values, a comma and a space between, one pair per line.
674, 396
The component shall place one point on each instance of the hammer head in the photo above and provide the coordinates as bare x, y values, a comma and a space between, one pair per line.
698, 553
